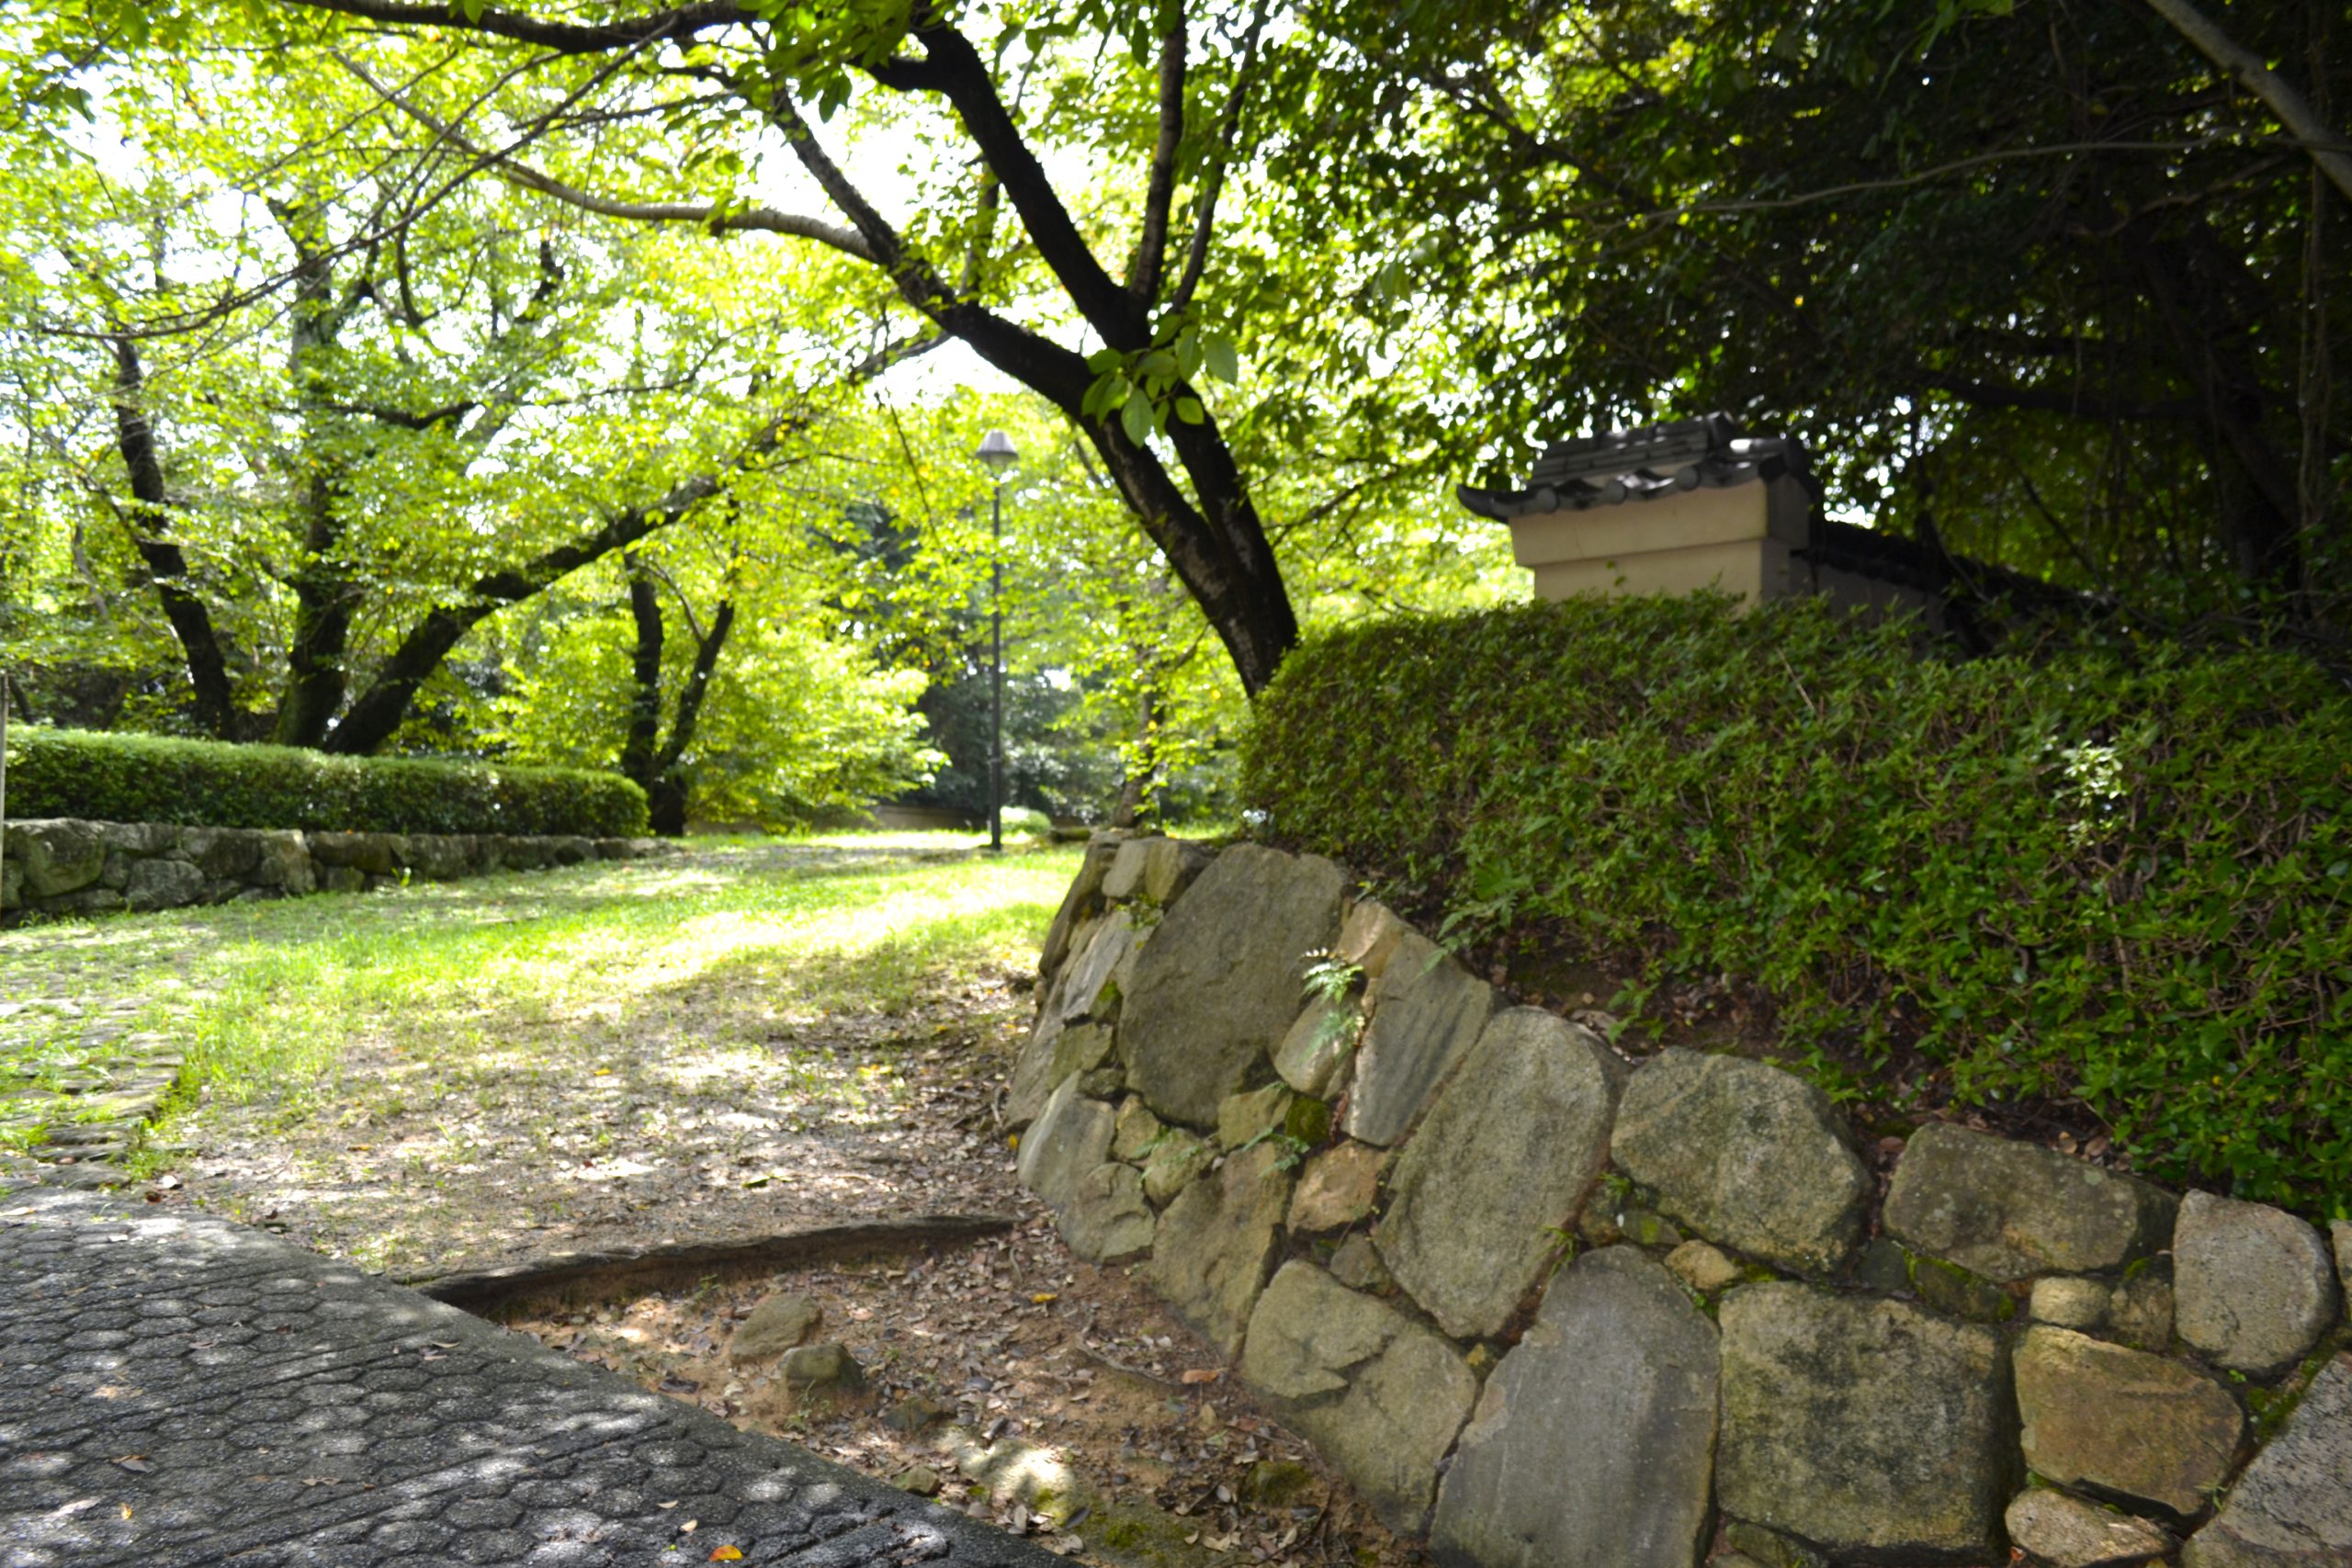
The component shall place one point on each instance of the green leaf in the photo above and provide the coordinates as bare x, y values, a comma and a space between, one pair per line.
1136, 418
1189, 409
1224, 363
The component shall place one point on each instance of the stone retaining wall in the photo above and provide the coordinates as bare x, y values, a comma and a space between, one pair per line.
65, 866
1551, 1306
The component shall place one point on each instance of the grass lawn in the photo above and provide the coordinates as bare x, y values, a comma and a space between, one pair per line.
440, 1073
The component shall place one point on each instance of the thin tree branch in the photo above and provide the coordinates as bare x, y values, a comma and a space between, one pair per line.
678, 24
1160, 190
963, 77
703, 214
2245, 68
1196, 255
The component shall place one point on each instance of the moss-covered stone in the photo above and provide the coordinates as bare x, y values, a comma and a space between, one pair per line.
1947, 1287
1308, 1123
1871, 1428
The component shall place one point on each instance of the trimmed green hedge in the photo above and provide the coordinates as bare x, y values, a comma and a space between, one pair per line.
2128, 880
148, 778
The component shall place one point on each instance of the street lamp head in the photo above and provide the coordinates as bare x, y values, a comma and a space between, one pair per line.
997, 451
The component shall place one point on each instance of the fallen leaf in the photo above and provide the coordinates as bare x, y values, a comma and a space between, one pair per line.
727, 1554
1201, 1374
135, 1463
1043, 1297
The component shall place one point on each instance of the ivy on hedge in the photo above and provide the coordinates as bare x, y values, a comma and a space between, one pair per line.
2123, 878
147, 778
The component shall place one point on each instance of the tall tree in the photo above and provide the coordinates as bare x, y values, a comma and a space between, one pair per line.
1111, 308
341, 403
2035, 281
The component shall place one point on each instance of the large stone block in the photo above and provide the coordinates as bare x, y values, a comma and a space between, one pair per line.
1089, 987
1747, 1155
283, 862
442, 857
377, 854
1069, 1138
1175, 1161
1427, 1012
1338, 1187
137, 838
57, 856
2123, 1423
1125, 879
222, 852
1053, 1052
520, 853
2254, 1287
1368, 936
1078, 904
1218, 983
1169, 867
1876, 1430
2293, 1507
160, 884
1217, 1241
1593, 1444
1314, 1053
1378, 1395
2008, 1209
1503, 1161
1106, 1218
90, 901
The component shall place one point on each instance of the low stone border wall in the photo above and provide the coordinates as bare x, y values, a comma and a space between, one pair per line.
65, 866
1553, 1307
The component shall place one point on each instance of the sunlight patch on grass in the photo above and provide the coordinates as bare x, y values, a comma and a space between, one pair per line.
453, 1007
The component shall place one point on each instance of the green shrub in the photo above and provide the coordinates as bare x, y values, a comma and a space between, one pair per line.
147, 778
2128, 880
1022, 822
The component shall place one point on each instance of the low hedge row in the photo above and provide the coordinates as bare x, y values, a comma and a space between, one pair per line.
147, 778
2123, 879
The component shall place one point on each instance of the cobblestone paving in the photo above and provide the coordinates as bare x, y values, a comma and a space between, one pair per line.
176, 1391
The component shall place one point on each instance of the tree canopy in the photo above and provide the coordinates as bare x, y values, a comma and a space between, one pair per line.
363, 355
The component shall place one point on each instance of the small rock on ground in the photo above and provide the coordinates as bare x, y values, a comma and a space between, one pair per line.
778, 1324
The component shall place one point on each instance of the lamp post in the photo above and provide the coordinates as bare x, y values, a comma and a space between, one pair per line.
998, 454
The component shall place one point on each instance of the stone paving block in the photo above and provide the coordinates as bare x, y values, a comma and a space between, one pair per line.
283, 1408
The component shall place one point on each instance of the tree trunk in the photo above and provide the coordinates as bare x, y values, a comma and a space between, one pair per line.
1135, 790
2258, 505
645, 678
378, 711
667, 794
149, 516
324, 597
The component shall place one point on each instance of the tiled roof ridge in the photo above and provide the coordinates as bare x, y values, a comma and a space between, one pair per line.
1644, 464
